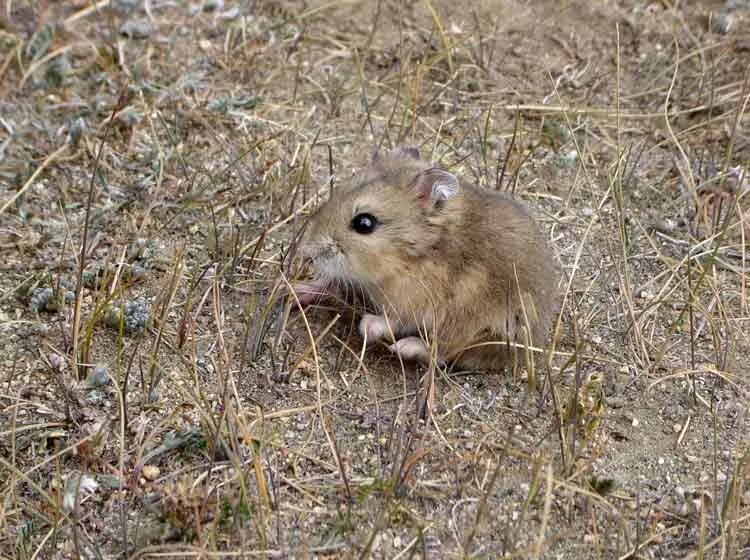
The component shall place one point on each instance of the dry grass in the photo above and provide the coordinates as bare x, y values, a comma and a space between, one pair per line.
163, 396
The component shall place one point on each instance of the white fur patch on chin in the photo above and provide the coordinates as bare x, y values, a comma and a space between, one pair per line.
331, 268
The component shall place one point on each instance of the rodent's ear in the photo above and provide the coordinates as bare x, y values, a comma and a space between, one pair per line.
434, 186
400, 152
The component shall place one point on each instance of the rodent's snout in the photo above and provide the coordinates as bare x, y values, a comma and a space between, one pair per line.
304, 262
310, 251
305, 258
323, 255
318, 249
305, 251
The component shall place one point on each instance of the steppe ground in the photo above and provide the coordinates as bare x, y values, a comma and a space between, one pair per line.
161, 396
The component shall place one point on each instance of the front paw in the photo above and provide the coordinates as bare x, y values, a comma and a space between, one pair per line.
411, 348
373, 328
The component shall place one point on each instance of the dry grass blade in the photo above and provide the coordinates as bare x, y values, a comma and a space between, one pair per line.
30, 181
545, 514
318, 388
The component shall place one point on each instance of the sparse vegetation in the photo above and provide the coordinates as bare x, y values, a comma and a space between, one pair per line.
162, 395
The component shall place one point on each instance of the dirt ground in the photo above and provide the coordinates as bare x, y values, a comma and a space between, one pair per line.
161, 396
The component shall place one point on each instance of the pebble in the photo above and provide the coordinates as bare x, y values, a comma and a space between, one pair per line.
97, 377
645, 293
127, 5
136, 29
56, 361
721, 23
496, 142
568, 158
76, 130
150, 472
616, 402
212, 5
666, 225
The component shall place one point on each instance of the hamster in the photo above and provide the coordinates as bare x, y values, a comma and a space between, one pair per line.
454, 271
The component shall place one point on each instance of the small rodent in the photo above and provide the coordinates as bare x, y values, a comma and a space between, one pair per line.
442, 262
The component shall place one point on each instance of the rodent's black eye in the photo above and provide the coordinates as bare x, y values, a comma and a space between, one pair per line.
364, 223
